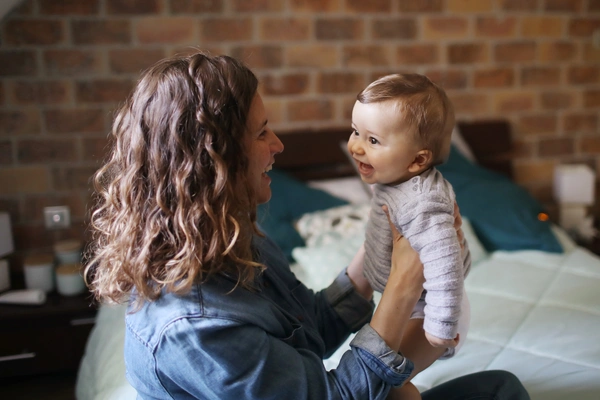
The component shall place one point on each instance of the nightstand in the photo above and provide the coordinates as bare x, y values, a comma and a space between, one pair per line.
46, 338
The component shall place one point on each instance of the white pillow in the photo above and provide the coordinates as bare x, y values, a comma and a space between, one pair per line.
461, 145
351, 189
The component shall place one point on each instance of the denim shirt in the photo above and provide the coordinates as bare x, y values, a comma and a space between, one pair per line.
221, 343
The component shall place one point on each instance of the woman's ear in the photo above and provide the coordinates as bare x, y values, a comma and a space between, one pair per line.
421, 161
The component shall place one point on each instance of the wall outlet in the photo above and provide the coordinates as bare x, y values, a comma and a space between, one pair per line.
57, 217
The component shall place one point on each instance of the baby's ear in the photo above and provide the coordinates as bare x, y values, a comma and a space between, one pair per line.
421, 161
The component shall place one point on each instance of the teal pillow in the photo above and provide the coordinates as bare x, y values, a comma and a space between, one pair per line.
503, 214
290, 199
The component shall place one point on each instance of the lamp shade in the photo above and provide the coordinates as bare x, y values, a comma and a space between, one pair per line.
574, 184
6, 239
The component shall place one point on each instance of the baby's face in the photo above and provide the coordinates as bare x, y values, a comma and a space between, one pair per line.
381, 143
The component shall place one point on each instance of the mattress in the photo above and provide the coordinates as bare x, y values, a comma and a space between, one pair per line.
535, 314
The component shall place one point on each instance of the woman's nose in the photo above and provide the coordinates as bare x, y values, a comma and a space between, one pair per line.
276, 145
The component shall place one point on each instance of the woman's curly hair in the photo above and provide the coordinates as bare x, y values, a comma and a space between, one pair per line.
172, 204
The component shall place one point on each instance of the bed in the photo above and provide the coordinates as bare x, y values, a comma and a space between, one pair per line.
533, 291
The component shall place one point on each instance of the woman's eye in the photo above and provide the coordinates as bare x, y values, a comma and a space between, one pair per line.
373, 141
355, 132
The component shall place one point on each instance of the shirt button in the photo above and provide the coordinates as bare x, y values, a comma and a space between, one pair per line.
415, 188
415, 179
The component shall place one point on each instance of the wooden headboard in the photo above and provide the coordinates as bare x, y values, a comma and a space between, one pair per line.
316, 153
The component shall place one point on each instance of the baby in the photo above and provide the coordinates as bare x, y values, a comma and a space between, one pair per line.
402, 125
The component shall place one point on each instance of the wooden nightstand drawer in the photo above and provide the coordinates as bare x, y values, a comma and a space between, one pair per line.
43, 339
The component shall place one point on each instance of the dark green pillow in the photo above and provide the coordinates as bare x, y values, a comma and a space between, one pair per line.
290, 199
503, 214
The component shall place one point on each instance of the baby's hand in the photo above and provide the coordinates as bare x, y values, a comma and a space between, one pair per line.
438, 342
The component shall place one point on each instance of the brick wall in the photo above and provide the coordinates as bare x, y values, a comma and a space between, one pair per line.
65, 65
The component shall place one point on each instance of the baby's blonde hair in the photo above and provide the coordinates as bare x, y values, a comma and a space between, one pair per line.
424, 106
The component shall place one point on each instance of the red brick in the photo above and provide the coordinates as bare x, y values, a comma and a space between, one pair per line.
580, 122
315, 5
310, 110
394, 28
339, 28
522, 149
103, 90
563, 5
513, 101
34, 32
197, 6
44, 151
417, 54
23, 8
226, 29
313, 56
2, 95
580, 75
42, 92
6, 154
369, 6
543, 124
72, 178
72, 62
285, 84
533, 171
558, 51
468, 6
591, 53
515, 52
590, 145
557, 100
18, 63
583, 27
275, 110
448, 79
165, 30
133, 60
421, 6
95, 148
133, 7
519, 5
556, 147
593, 5
284, 29
591, 98
257, 5
23, 180
25, 121
183, 50
494, 77
540, 76
501, 27
365, 56
75, 120
469, 103
260, 56
469, 53
341, 82
69, 7
98, 32
539, 27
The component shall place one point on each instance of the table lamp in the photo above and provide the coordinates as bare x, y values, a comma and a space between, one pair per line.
574, 190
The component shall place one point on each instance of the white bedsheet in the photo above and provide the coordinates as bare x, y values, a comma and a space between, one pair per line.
534, 314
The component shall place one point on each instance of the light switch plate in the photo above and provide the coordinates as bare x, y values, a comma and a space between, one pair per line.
57, 217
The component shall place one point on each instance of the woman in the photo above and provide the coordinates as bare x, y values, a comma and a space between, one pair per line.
215, 312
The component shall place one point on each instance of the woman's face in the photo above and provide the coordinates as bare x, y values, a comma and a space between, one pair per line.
262, 144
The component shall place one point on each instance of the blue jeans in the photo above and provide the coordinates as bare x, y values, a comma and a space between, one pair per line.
490, 385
